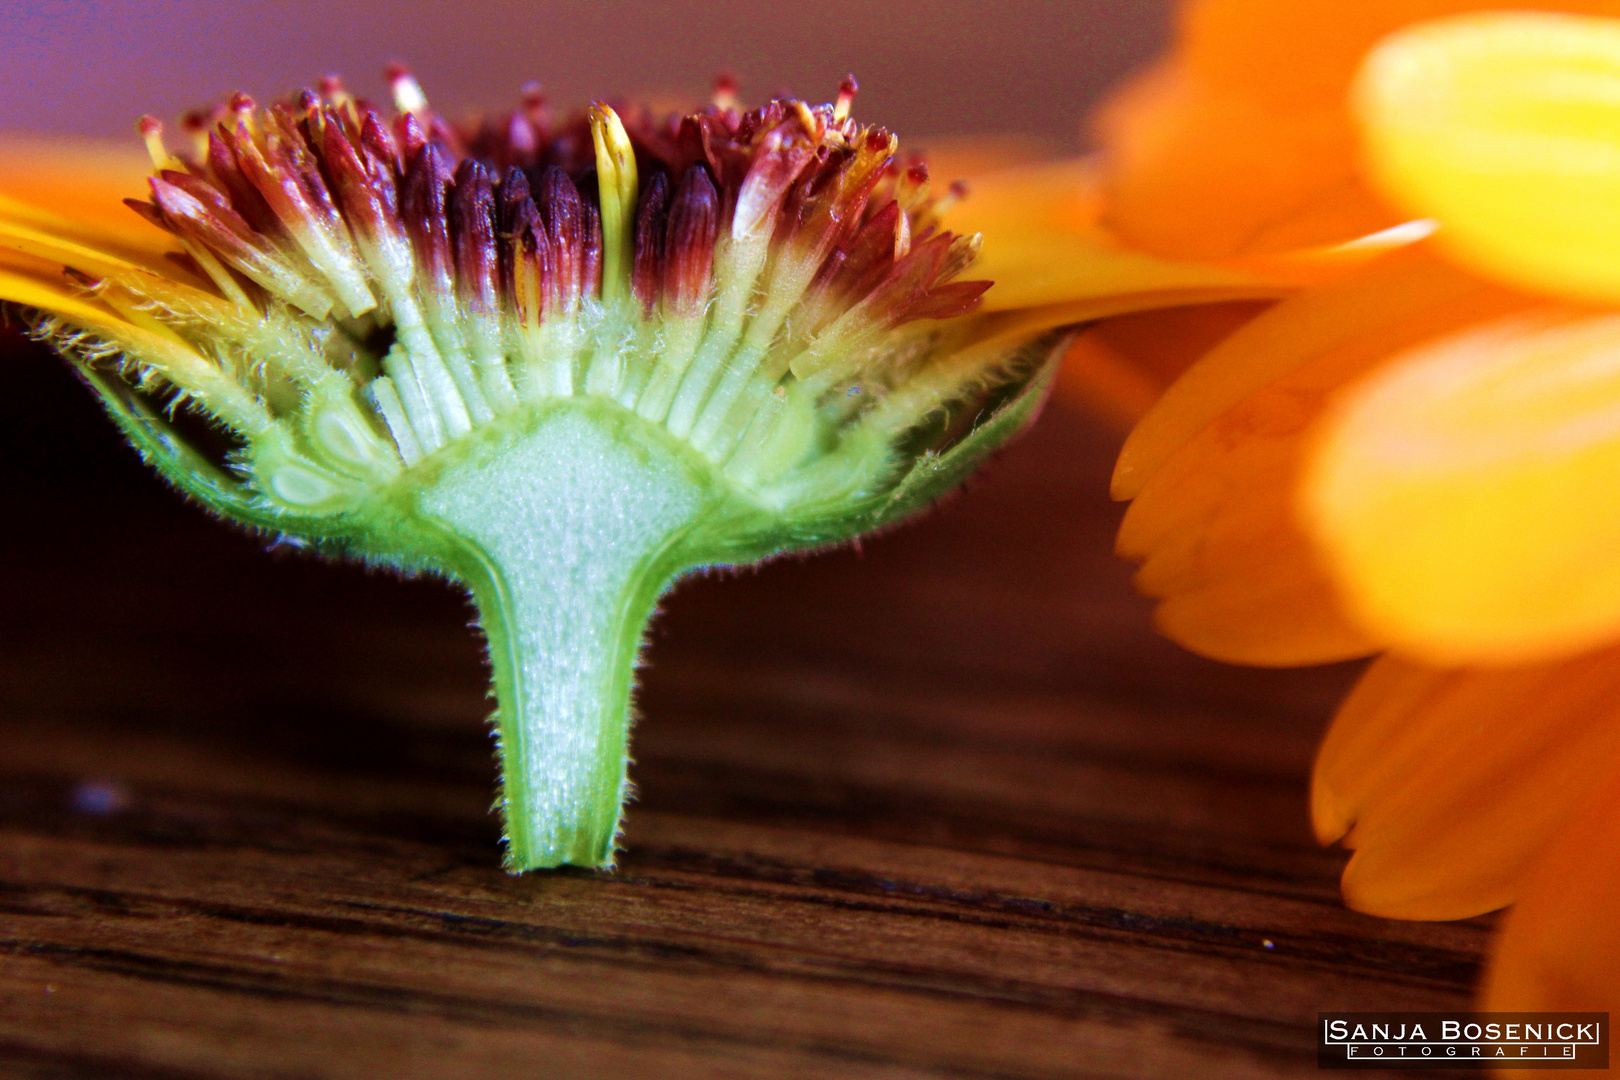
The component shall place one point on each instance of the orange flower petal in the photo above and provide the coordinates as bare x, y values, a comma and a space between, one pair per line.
1289, 336
1202, 172
1463, 498
1121, 366
1450, 782
75, 189
1558, 949
1215, 524
1043, 246
1215, 531
1476, 121
1241, 142
1283, 615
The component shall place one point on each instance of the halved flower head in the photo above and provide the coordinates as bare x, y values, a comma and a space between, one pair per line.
561, 360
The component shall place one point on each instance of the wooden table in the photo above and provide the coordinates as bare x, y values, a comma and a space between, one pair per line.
943, 806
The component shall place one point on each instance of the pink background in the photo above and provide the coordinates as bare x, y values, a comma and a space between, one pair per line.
939, 68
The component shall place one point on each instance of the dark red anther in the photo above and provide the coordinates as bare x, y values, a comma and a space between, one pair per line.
910, 279
187, 216
516, 209
225, 169
917, 172
564, 215
365, 192
408, 132
694, 218
869, 254
472, 235
422, 207
946, 301
290, 152
378, 141
149, 211
590, 251
779, 162
519, 238
688, 147
203, 192
647, 267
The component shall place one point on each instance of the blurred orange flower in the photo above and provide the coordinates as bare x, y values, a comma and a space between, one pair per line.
1417, 453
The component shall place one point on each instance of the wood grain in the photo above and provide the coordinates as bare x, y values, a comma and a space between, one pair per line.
942, 807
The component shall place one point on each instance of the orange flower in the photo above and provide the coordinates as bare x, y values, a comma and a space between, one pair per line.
1417, 454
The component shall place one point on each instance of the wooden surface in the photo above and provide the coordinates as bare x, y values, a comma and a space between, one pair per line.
940, 808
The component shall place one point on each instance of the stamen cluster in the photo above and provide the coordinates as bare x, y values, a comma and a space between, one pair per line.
397, 282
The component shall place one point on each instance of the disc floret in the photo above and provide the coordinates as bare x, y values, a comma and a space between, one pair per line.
559, 360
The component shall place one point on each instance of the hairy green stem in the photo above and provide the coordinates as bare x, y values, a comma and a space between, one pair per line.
568, 532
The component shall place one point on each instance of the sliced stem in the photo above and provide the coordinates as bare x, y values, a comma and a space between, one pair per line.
568, 531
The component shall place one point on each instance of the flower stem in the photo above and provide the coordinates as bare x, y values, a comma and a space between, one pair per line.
567, 531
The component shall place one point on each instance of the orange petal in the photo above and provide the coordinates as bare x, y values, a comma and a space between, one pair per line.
1121, 366
1215, 524
75, 188
1043, 246
1220, 547
1196, 171
1464, 497
1290, 335
1559, 950
1241, 141
1280, 616
1450, 782
1505, 128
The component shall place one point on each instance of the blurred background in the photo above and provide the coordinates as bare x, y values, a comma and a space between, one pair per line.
926, 67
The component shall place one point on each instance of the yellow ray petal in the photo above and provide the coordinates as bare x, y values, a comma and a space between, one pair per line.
1451, 782
1558, 950
40, 291
66, 252
1506, 129
1216, 534
1043, 247
1464, 497
75, 189
1287, 337
1215, 524
160, 350
1240, 142
1198, 170
1280, 613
